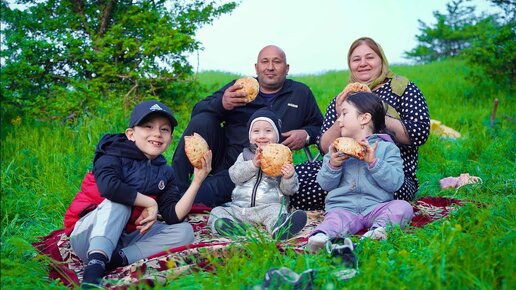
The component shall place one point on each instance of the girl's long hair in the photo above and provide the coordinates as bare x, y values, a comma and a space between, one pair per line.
370, 103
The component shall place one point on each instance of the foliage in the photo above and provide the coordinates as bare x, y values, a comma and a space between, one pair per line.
43, 163
485, 41
64, 58
452, 33
494, 51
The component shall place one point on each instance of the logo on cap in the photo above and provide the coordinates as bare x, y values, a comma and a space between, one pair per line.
156, 107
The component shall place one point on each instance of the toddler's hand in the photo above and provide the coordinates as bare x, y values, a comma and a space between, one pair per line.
287, 170
257, 157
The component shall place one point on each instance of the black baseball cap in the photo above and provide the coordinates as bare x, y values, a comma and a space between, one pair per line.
142, 110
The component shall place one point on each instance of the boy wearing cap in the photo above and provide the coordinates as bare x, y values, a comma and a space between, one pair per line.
259, 199
112, 220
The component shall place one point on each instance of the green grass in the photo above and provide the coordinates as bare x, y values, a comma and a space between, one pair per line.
42, 166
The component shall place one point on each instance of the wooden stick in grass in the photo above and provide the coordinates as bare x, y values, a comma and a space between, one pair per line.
493, 114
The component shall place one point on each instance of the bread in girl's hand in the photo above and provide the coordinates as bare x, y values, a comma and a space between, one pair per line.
272, 158
195, 148
350, 147
250, 86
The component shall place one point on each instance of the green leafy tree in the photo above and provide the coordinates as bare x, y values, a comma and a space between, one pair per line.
486, 41
452, 33
64, 58
493, 51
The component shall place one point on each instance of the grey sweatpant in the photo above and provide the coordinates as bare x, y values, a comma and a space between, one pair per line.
103, 229
266, 215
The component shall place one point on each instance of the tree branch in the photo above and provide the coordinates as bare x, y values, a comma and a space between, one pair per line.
106, 16
79, 9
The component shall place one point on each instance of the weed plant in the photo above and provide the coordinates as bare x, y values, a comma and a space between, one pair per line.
42, 165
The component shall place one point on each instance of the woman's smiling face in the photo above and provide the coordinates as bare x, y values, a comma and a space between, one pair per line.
365, 64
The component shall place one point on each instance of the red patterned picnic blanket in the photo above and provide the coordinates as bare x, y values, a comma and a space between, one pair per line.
165, 266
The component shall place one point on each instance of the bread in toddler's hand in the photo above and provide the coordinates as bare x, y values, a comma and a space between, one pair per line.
195, 148
272, 158
250, 86
350, 147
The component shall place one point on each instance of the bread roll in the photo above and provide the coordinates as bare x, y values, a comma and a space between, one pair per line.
350, 88
250, 86
355, 87
350, 147
273, 157
195, 148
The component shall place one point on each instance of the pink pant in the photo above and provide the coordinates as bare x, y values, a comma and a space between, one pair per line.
340, 222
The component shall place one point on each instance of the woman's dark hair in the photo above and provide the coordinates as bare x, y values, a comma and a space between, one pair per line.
372, 104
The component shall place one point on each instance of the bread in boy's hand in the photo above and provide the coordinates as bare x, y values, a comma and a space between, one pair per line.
195, 148
250, 86
272, 158
350, 147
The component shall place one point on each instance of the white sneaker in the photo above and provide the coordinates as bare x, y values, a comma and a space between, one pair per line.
378, 234
317, 242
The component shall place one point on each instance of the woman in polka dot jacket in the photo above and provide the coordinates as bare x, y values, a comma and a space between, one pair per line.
407, 117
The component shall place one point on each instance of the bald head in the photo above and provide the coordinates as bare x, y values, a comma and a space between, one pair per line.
271, 69
272, 49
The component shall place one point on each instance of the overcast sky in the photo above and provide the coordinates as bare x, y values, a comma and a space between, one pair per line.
315, 34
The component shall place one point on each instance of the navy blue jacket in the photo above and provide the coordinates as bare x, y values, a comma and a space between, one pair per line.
295, 105
121, 170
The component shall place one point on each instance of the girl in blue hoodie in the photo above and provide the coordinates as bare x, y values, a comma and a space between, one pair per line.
360, 192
